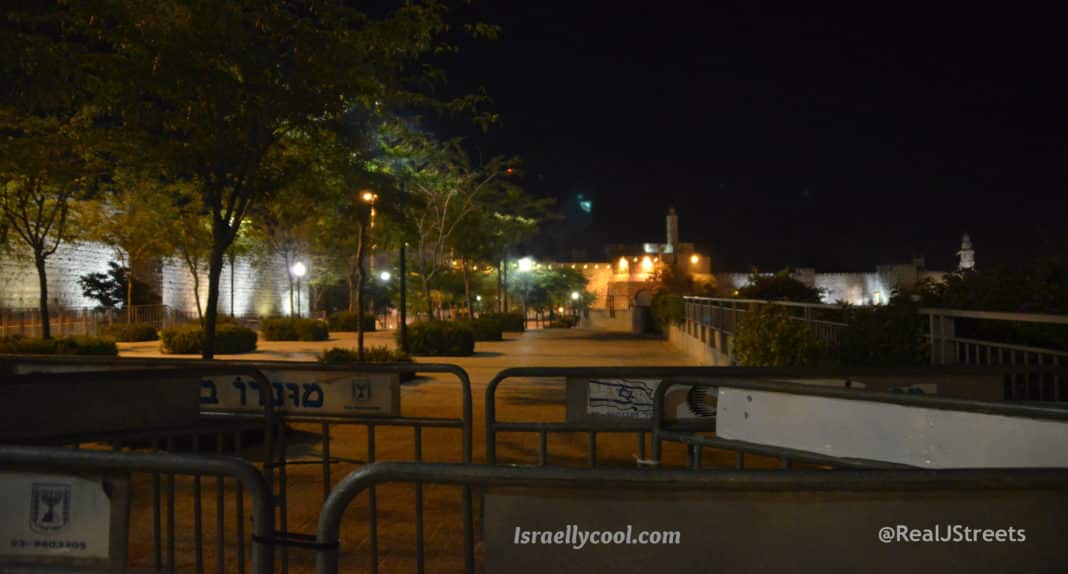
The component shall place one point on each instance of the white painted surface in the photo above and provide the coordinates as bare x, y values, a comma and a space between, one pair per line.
923, 437
306, 392
53, 515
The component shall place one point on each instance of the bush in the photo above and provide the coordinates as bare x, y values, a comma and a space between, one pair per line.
382, 354
230, 338
890, 334
74, 345
484, 328
510, 322
667, 310
563, 322
346, 321
768, 336
293, 329
440, 338
127, 332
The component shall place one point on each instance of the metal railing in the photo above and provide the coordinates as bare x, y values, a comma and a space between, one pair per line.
903, 483
91, 321
249, 479
274, 421
715, 321
636, 426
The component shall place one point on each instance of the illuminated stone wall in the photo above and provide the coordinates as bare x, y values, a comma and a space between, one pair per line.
261, 288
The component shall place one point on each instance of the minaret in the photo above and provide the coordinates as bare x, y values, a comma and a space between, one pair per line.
966, 253
672, 231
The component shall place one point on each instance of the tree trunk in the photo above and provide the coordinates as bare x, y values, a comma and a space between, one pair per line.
500, 288
215, 266
42, 277
467, 291
350, 278
360, 279
196, 294
233, 262
429, 302
129, 294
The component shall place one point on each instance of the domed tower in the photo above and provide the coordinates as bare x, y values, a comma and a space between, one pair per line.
966, 254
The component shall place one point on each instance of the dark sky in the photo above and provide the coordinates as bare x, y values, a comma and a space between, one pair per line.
785, 135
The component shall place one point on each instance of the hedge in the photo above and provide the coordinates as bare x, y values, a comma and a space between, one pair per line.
129, 332
890, 334
768, 336
74, 345
346, 321
440, 338
382, 354
293, 329
484, 328
510, 322
189, 339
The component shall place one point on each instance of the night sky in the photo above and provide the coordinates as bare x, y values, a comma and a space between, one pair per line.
837, 139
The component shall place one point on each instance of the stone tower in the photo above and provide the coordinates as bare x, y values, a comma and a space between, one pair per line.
966, 253
672, 230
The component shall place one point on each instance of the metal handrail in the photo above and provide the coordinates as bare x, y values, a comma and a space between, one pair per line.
70, 460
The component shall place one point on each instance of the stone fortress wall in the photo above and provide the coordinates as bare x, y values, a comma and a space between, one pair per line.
261, 288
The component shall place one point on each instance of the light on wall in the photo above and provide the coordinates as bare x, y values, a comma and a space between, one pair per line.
623, 265
694, 259
647, 264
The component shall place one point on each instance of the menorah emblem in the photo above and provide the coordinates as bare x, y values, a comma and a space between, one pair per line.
49, 506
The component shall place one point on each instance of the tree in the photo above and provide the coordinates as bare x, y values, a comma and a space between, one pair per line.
47, 136
136, 218
192, 240
778, 287
215, 92
442, 189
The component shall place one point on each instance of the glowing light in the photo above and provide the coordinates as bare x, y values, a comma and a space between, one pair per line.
385, 275
584, 266
559, 309
635, 259
694, 259
368, 197
574, 295
647, 264
572, 265
623, 265
478, 297
525, 264
298, 269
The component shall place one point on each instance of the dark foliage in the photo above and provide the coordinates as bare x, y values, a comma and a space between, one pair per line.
435, 338
294, 329
127, 332
76, 345
230, 338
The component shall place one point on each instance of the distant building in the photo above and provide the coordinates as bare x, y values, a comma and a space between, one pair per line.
966, 254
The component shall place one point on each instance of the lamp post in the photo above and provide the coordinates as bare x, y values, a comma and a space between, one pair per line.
298, 271
574, 303
371, 197
403, 300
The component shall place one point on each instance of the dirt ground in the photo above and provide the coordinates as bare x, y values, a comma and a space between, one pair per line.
433, 396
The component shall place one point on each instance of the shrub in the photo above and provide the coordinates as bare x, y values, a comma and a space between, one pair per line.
126, 332
883, 335
293, 329
768, 336
484, 328
667, 310
230, 338
440, 338
382, 354
346, 321
563, 322
74, 345
510, 322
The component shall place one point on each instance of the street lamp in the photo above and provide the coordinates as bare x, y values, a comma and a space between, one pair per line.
371, 197
385, 276
298, 271
574, 303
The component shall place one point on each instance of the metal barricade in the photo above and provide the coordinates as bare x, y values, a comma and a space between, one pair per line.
195, 437
962, 489
278, 420
65, 460
740, 380
639, 427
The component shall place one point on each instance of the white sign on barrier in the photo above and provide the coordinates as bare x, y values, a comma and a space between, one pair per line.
306, 392
46, 515
918, 436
